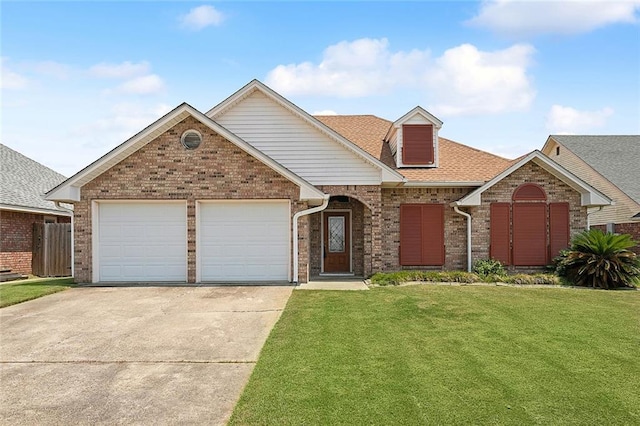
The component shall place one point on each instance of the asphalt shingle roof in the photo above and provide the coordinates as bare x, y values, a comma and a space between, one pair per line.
457, 162
24, 181
616, 157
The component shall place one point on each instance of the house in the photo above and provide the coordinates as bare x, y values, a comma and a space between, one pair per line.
256, 189
22, 186
611, 164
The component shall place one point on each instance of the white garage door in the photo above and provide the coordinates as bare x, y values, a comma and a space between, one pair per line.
142, 242
244, 241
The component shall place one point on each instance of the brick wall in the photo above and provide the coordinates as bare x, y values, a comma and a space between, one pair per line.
632, 228
164, 170
556, 191
455, 227
16, 239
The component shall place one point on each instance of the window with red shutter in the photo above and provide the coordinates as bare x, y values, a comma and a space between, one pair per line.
529, 234
500, 233
417, 144
558, 228
422, 234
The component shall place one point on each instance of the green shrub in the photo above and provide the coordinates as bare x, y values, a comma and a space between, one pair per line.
526, 279
596, 259
486, 267
396, 278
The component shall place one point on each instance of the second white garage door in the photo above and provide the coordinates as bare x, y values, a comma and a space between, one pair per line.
244, 240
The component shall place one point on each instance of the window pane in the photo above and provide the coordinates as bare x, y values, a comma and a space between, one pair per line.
336, 234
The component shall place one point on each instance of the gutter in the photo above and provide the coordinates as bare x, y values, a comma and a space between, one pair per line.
468, 216
73, 268
325, 203
589, 213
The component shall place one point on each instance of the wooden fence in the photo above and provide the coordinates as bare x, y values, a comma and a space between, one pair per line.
51, 255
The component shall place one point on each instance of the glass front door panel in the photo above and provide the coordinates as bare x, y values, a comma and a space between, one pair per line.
336, 234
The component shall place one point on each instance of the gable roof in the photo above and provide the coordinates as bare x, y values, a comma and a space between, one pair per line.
460, 164
415, 111
24, 182
616, 157
69, 190
388, 173
589, 195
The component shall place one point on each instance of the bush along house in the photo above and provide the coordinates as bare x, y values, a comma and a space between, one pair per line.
256, 189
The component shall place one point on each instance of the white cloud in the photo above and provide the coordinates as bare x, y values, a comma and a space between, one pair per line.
520, 18
12, 80
145, 85
464, 80
201, 17
325, 112
350, 69
562, 119
119, 71
123, 121
139, 81
53, 69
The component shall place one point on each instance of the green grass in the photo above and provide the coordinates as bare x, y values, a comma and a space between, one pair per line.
21, 291
449, 355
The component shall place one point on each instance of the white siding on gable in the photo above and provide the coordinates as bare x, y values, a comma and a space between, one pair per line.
295, 144
417, 119
393, 143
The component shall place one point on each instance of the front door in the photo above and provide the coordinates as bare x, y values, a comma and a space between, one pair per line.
337, 243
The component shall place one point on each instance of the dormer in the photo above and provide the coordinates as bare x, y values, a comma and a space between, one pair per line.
413, 139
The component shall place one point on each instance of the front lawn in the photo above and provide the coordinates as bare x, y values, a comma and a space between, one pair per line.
449, 355
21, 291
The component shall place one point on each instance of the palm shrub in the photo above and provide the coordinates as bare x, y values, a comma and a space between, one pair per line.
596, 259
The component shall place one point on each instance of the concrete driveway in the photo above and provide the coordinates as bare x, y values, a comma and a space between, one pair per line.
161, 355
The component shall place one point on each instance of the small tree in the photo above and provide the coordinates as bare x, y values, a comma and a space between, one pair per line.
596, 259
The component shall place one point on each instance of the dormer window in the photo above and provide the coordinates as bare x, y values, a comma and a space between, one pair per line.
417, 144
413, 139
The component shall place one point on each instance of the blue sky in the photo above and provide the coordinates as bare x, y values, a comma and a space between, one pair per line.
79, 78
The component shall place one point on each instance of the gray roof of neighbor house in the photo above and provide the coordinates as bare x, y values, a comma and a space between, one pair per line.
616, 157
24, 181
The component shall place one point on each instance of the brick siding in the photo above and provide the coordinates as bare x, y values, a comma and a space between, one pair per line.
164, 170
556, 191
631, 228
455, 226
16, 241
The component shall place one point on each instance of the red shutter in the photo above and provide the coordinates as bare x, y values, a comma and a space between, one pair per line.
422, 234
500, 233
433, 234
417, 144
529, 234
558, 228
410, 234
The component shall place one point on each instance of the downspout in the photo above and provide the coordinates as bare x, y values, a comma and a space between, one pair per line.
73, 255
325, 203
468, 216
589, 214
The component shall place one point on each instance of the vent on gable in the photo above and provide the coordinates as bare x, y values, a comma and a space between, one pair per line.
413, 139
417, 144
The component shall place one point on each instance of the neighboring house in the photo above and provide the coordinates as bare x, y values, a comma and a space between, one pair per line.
611, 163
257, 189
23, 183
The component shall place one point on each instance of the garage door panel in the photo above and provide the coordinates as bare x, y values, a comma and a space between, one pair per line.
142, 242
244, 241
